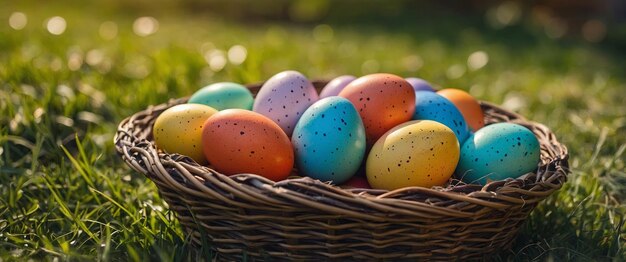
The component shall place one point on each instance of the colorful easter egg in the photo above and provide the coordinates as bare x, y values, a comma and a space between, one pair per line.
179, 130
336, 85
382, 100
431, 106
329, 140
417, 153
467, 105
241, 141
419, 84
223, 95
497, 152
284, 97
356, 182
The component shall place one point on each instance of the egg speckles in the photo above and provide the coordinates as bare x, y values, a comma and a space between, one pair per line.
382, 100
497, 152
223, 95
417, 153
431, 106
240, 141
329, 140
284, 97
179, 130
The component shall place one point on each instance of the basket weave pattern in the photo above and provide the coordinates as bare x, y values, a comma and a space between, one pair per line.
305, 219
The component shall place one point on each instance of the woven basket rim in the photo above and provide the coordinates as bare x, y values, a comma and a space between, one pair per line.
306, 219
190, 177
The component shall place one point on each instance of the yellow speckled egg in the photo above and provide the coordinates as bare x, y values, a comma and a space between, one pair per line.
416, 153
179, 130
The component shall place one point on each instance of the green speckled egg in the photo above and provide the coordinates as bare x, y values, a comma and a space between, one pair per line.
224, 95
497, 152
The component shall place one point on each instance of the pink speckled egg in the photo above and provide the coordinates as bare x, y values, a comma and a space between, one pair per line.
284, 97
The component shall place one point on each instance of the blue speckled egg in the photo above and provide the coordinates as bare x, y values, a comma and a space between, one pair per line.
431, 106
497, 152
329, 140
224, 95
284, 97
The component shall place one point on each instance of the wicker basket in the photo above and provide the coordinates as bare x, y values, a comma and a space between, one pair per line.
305, 219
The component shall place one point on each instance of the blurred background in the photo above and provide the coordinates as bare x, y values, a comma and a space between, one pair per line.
522, 54
267, 34
71, 70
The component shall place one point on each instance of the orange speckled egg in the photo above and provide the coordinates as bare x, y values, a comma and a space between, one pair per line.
467, 104
383, 101
239, 141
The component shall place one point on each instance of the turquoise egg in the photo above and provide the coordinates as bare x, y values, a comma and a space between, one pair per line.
329, 140
432, 106
223, 95
497, 152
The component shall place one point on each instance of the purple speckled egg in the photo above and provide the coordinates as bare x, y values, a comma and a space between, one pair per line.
284, 98
336, 85
419, 84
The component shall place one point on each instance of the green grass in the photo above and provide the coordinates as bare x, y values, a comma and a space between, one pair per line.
65, 193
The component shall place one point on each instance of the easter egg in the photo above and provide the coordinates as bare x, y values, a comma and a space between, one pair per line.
336, 85
431, 106
223, 95
239, 141
284, 97
356, 182
329, 140
417, 153
419, 84
497, 152
179, 130
467, 105
382, 100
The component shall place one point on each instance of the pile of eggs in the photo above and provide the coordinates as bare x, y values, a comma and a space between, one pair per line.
377, 131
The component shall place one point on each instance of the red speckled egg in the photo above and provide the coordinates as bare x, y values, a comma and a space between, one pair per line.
239, 141
356, 182
383, 101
